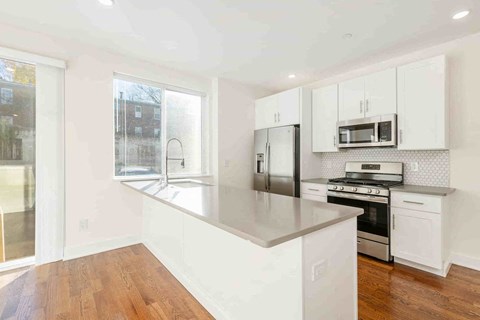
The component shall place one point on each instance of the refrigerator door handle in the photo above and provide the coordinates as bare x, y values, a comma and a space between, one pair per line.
265, 174
268, 171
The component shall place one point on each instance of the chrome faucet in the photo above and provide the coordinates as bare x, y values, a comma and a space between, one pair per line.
182, 159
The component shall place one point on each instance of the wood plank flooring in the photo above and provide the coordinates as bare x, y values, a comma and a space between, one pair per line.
392, 291
130, 283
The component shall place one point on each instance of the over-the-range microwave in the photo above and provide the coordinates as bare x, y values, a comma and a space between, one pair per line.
379, 131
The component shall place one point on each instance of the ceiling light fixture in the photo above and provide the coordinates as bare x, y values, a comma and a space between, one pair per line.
107, 3
460, 15
291, 76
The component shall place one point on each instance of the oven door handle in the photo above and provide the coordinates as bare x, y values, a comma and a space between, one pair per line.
357, 197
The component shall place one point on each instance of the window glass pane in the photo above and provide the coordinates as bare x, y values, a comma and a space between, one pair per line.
137, 144
184, 122
17, 159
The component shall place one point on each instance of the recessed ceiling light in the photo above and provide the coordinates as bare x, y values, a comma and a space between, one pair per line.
107, 3
460, 15
291, 76
347, 36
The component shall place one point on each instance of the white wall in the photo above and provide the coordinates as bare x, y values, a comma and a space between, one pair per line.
235, 105
463, 58
113, 210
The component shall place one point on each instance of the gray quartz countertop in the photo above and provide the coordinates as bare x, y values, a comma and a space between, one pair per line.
316, 180
263, 218
433, 191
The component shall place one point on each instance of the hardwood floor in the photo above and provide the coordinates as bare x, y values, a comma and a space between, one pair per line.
388, 291
130, 283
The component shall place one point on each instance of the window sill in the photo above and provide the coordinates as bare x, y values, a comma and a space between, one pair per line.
170, 177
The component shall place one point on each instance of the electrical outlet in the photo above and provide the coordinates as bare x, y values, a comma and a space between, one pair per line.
83, 224
414, 166
319, 269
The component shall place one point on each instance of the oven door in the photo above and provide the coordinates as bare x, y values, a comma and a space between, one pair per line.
374, 223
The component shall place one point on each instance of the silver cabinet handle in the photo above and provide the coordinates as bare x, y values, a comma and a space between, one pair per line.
393, 222
278, 117
361, 106
366, 105
313, 189
275, 117
334, 141
414, 202
265, 173
401, 136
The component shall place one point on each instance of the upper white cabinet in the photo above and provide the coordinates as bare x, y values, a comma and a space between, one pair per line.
422, 108
368, 96
278, 110
324, 119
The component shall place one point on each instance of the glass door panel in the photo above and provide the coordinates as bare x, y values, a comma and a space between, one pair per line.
17, 160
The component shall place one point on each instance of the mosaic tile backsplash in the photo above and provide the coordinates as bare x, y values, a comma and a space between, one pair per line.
433, 166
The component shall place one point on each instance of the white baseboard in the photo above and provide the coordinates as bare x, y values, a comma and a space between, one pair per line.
97, 247
195, 290
439, 272
16, 264
466, 261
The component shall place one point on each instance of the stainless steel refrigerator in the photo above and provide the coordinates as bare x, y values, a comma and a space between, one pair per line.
277, 160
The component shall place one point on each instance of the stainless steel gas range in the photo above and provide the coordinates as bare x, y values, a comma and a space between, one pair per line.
366, 185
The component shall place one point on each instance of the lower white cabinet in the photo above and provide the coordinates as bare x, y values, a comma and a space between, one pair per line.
418, 234
314, 191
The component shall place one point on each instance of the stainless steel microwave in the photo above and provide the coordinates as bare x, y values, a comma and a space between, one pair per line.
379, 131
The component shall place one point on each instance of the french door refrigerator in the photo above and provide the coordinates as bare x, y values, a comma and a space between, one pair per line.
277, 160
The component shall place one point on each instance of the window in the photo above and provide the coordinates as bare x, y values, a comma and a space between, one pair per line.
138, 111
165, 113
6, 96
138, 131
157, 114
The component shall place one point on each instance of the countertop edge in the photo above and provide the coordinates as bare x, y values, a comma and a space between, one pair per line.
426, 190
259, 242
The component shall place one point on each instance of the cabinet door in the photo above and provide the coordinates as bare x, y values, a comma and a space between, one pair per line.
324, 119
266, 112
351, 99
422, 109
417, 237
381, 93
314, 197
288, 108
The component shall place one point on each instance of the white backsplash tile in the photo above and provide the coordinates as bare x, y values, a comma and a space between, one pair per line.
433, 166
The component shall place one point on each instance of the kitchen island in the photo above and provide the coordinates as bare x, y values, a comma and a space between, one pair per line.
251, 255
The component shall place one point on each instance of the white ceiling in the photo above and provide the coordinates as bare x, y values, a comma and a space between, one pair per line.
258, 42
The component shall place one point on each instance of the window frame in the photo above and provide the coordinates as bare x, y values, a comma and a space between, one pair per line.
205, 120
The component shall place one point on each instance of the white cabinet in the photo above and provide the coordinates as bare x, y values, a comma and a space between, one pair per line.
368, 96
278, 110
381, 93
314, 191
324, 119
418, 236
266, 112
422, 107
288, 107
351, 99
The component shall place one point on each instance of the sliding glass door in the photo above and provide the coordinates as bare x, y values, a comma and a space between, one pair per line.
17, 160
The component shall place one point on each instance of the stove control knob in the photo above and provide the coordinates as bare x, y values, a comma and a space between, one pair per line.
354, 189
377, 191
369, 190
341, 188
334, 187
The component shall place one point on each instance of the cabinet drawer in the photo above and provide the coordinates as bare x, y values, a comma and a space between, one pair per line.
418, 202
314, 197
314, 189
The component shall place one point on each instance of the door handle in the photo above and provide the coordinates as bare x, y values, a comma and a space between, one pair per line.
401, 136
393, 222
361, 106
265, 173
268, 172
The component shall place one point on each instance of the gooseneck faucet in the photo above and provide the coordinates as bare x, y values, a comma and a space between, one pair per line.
182, 159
